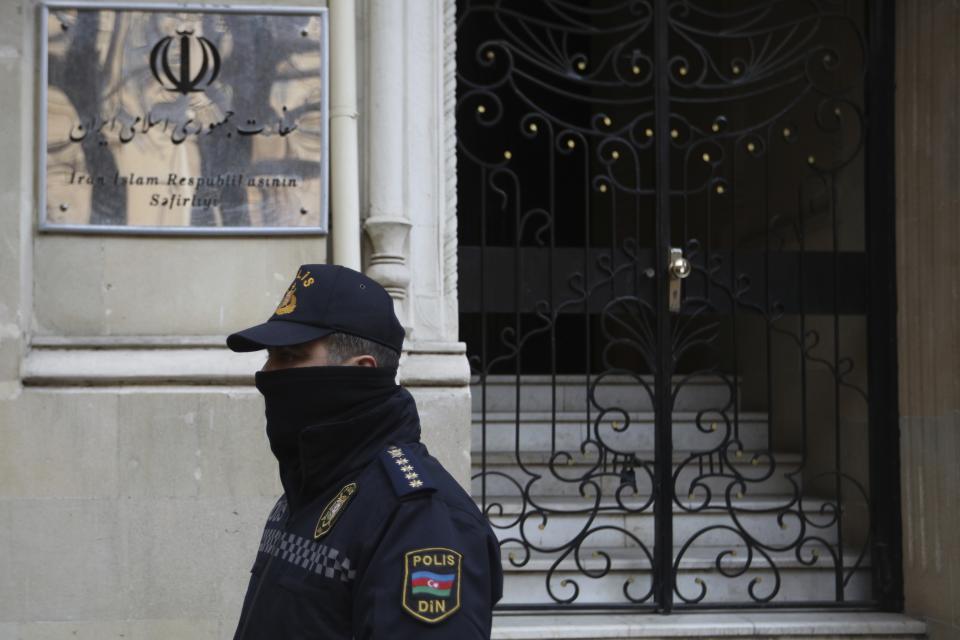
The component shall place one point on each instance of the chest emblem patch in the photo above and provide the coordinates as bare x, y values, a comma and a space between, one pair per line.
333, 510
431, 583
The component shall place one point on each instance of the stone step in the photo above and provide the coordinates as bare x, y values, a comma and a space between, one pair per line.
569, 393
628, 432
504, 474
730, 626
566, 520
601, 581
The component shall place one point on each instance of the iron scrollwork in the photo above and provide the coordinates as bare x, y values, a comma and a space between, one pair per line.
558, 135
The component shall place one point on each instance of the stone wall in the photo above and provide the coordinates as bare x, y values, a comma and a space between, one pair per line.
928, 286
134, 471
131, 502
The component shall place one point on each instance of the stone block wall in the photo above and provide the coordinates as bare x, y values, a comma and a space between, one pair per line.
134, 469
928, 286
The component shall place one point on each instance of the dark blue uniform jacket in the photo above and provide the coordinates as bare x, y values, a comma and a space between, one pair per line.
391, 548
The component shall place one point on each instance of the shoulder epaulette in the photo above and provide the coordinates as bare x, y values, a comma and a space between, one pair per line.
406, 472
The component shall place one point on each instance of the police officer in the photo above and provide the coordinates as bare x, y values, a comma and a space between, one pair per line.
372, 537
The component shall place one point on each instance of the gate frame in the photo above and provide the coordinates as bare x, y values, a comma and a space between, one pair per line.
883, 408
882, 384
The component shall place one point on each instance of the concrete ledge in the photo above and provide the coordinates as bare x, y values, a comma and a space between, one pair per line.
128, 342
780, 625
199, 360
139, 365
434, 368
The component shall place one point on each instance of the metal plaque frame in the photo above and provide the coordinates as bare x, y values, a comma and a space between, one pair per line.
46, 226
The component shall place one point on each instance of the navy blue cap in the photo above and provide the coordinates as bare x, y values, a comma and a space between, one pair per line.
325, 299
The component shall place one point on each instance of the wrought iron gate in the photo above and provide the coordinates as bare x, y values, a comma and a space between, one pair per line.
675, 260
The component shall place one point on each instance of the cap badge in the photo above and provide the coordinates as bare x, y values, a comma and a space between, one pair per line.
333, 510
289, 302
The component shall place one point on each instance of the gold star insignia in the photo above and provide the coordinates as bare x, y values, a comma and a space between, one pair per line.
396, 453
402, 461
416, 483
411, 476
406, 468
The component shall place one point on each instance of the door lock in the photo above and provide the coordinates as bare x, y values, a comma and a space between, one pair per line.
679, 268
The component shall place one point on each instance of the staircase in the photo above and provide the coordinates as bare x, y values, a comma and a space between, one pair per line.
616, 536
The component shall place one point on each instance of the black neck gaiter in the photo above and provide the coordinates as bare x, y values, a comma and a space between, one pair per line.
325, 422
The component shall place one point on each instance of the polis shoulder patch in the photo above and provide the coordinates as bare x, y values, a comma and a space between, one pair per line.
333, 510
406, 472
431, 583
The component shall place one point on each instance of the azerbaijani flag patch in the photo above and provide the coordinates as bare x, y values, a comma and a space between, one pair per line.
431, 583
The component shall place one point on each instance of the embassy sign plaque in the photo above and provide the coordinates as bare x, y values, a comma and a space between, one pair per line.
179, 119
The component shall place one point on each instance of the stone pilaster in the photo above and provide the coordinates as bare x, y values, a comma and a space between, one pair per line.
411, 222
387, 224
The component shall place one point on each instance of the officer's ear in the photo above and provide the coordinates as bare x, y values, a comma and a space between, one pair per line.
365, 360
